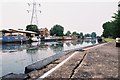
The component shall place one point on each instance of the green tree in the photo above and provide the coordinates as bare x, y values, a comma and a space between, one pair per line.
33, 28
57, 30
112, 28
75, 33
81, 35
87, 35
93, 35
108, 29
117, 24
68, 33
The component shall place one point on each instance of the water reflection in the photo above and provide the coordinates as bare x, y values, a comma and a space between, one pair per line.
31, 48
58, 47
44, 46
80, 41
12, 47
68, 44
15, 57
92, 41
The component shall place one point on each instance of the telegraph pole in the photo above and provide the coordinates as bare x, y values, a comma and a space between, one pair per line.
34, 11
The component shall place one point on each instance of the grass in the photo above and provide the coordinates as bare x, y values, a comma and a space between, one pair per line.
109, 40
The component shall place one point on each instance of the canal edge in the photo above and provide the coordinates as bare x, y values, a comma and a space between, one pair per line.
60, 64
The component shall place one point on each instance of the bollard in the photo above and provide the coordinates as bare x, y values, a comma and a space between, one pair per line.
99, 39
117, 42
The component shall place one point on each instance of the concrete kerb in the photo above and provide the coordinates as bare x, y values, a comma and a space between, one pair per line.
60, 64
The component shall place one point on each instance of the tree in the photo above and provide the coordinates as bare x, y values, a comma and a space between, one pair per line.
117, 24
75, 33
57, 30
87, 35
112, 28
33, 28
108, 29
68, 33
81, 35
93, 35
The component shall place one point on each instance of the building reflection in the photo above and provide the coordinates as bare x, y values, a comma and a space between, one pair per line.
12, 47
74, 42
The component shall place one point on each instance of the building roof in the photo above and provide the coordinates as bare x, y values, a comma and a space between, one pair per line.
16, 31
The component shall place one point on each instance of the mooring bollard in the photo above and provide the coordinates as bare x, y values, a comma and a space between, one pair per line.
99, 39
117, 42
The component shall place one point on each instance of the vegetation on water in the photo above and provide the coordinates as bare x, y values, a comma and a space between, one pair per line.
112, 28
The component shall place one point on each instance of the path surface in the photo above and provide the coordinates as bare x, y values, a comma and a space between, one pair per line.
97, 62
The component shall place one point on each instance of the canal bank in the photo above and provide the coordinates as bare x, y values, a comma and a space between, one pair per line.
100, 62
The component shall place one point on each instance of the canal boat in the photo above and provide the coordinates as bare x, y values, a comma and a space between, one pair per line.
54, 39
12, 35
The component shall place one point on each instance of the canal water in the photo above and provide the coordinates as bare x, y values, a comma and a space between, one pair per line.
15, 57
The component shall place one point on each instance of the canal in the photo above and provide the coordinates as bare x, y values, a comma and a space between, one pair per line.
15, 57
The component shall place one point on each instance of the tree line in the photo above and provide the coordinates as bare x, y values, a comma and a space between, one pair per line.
58, 30
112, 28
81, 35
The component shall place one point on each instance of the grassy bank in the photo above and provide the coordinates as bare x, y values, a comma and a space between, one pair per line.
109, 40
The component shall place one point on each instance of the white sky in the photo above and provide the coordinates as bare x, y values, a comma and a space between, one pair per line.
75, 15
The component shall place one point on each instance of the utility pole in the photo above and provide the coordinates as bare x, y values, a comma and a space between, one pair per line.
34, 11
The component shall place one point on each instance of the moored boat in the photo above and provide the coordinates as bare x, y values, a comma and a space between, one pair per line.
11, 36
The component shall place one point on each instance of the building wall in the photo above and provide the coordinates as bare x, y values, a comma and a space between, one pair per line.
44, 32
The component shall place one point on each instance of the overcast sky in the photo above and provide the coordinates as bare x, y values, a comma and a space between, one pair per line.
75, 15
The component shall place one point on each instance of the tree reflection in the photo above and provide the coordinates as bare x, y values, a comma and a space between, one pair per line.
80, 41
87, 41
32, 49
57, 47
93, 41
68, 44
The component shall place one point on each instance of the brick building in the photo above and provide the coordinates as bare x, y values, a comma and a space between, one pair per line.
44, 32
